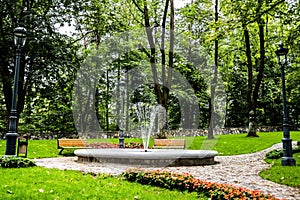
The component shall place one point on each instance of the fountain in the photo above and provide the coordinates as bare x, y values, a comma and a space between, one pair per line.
151, 158
146, 116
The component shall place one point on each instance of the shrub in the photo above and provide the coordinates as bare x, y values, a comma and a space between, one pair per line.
134, 145
276, 154
186, 182
104, 145
16, 162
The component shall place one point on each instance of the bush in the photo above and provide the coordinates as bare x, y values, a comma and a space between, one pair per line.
134, 145
104, 145
186, 182
276, 154
16, 162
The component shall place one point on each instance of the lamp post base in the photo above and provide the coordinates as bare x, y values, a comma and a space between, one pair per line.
121, 139
11, 141
288, 161
287, 158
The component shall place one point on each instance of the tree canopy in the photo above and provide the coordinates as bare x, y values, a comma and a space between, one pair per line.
209, 43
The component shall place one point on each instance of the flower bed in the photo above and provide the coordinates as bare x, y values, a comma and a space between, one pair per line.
186, 182
105, 145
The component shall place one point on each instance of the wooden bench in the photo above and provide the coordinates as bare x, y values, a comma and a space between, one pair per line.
71, 144
169, 144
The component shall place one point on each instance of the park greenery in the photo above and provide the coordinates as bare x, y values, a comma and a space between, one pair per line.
158, 184
16, 162
224, 144
206, 43
42, 183
234, 40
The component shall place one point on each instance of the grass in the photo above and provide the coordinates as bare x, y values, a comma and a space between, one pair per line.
286, 175
224, 144
229, 144
42, 183
240, 144
37, 148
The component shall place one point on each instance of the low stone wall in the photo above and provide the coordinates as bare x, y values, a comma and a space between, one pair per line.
222, 131
137, 134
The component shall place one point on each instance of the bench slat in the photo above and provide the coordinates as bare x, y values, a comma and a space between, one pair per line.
71, 144
169, 143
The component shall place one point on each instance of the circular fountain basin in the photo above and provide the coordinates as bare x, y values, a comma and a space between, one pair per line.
153, 157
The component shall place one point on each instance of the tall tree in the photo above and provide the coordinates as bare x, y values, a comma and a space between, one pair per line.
215, 77
161, 91
253, 18
46, 51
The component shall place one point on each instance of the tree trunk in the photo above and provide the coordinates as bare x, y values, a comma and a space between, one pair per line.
162, 93
152, 51
253, 93
214, 81
251, 101
165, 89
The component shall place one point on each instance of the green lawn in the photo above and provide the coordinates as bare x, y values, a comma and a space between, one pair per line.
287, 175
41, 183
37, 148
224, 144
240, 144
230, 144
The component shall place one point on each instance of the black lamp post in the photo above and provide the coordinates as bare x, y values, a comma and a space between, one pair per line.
287, 159
122, 97
20, 34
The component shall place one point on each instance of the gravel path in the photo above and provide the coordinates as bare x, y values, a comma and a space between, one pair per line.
241, 170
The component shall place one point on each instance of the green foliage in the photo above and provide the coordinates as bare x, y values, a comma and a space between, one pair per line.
51, 59
48, 62
16, 162
186, 182
236, 89
276, 154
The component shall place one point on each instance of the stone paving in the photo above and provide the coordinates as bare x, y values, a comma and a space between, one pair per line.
240, 170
